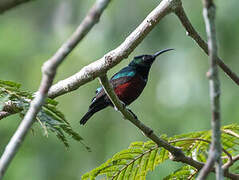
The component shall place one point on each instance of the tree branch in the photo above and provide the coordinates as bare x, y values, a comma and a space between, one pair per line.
177, 154
209, 11
196, 37
86, 25
227, 165
48, 73
9, 4
127, 114
99, 67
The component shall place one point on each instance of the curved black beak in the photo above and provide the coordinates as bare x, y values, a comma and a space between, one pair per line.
161, 52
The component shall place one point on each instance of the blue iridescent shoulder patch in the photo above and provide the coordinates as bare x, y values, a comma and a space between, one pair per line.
98, 90
124, 74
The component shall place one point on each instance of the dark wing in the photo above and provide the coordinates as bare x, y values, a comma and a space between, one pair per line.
127, 73
123, 76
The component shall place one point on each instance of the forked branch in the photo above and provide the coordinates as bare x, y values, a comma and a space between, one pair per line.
197, 38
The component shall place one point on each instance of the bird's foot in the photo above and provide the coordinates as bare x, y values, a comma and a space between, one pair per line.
132, 113
123, 104
116, 108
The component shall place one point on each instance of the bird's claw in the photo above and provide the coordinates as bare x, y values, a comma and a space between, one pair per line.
123, 104
116, 108
132, 113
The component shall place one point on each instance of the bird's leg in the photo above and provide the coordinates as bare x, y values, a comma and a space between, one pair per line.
124, 107
116, 108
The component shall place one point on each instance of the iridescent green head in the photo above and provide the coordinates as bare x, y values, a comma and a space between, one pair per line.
146, 60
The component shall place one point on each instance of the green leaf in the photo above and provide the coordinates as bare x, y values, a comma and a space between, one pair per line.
141, 157
131, 163
49, 117
182, 173
9, 84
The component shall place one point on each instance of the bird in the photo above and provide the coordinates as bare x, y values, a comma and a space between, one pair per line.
128, 84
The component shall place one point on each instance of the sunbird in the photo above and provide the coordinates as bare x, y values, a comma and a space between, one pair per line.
128, 84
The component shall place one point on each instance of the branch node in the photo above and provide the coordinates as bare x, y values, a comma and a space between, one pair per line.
109, 58
175, 4
209, 74
176, 154
48, 69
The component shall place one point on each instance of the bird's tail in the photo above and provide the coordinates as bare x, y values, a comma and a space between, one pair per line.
91, 112
87, 116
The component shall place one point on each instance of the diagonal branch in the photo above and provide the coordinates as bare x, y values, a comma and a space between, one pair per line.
209, 12
112, 58
86, 25
196, 37
9, 4
177, 154
48, 70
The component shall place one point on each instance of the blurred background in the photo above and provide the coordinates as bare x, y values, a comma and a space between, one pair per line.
175, 101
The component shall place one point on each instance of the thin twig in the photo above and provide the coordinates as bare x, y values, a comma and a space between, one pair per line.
204, 140
9, 4
227, 165
196, 37
209, 11
48, 70
193, 174
230, 132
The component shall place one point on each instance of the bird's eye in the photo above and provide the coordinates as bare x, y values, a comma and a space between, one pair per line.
145, 58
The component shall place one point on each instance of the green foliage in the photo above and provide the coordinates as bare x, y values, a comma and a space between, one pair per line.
131, 163
185, 172
142, 157
49, 117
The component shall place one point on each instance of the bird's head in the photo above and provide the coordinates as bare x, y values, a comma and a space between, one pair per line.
146, 60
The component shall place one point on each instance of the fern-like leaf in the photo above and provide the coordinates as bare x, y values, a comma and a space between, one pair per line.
142, 157
131, 163
49, 117
183, 173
